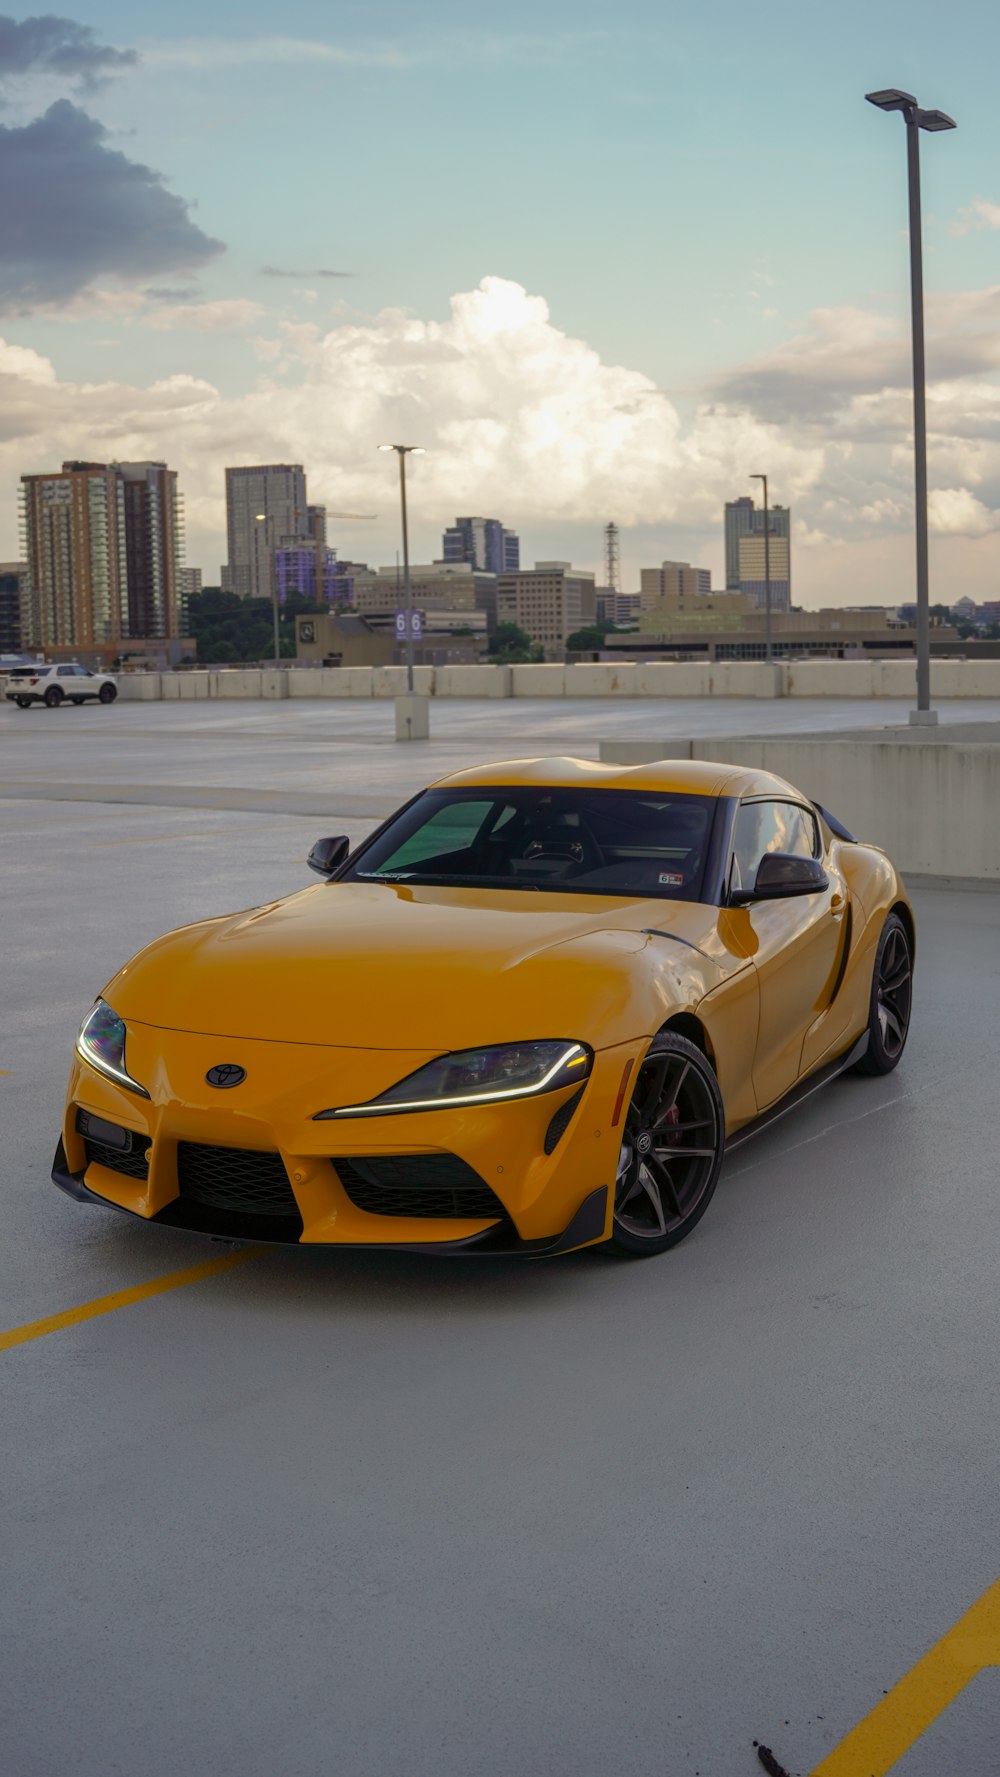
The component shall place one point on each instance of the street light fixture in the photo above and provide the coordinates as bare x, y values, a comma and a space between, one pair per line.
403, 451
261, 518
768, 644
915, 118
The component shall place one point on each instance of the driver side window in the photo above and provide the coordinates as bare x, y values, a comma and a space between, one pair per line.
770, 826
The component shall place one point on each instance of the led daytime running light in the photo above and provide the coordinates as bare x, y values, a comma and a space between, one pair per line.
574, 1056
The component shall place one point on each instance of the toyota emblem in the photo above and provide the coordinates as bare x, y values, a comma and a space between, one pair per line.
226, 1074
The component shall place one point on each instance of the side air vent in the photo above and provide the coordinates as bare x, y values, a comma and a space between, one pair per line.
561, 1122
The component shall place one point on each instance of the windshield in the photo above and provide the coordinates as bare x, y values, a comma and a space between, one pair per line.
584, 841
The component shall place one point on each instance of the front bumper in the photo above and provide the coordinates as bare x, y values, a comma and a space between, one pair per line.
547, 1199
495, 1242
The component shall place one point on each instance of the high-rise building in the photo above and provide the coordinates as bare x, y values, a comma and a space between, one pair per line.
13, 578
756, 567
672, 579
265, 505
307, 570
744, 528
103, 543
153, 548
484, 543
548, 602
75, 545
738, 522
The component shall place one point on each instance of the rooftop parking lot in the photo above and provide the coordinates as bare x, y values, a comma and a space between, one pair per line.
375, 1514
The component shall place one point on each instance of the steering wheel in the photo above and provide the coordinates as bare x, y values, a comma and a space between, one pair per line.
582, 850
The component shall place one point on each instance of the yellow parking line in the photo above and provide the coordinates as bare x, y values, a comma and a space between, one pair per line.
880, 1741
36, 1329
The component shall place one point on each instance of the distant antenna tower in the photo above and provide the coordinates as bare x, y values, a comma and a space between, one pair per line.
612, 558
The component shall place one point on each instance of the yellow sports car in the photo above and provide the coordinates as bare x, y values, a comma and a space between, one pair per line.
529, 1014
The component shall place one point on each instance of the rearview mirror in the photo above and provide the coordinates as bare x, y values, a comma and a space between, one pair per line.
327, 855
780, 874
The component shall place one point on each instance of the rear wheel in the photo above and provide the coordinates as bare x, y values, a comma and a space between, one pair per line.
53, 697
672, 1148
108, 693
23, 703
891, 1000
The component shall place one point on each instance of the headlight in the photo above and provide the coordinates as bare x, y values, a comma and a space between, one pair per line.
480, 1076
102, 1043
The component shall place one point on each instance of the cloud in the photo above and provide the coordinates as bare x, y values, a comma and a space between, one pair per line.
72, 210
852, 355
236, 52
976, 216
57, 46
520, 418
956, 512
513, 412
224, 316
275, 271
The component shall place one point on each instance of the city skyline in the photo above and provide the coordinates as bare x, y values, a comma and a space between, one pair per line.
753, 315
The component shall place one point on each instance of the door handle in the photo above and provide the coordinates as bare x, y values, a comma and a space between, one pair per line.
837, 905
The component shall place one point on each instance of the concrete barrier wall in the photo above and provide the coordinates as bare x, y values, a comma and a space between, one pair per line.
929, 804
472, 681
663, 679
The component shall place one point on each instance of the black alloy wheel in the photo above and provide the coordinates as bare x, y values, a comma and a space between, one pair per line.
108, 693
891, 1000
53, 697
672, 1148
23, 703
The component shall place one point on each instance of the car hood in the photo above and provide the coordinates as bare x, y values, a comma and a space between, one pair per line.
393, 966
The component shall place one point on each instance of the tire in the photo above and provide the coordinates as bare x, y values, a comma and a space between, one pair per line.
108, 693
23, 703
662, 1188
891, 1000
53, 697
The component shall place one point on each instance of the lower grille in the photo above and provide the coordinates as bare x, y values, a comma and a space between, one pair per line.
439, 1185
237, 1179
134, 1165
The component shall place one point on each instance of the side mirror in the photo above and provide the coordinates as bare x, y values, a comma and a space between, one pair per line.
327, 855
780, 874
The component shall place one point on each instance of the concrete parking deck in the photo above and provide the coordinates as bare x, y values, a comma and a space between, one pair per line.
358, 1513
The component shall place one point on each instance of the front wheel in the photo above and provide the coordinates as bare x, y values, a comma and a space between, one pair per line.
107, 693
672, 1149
891, 1000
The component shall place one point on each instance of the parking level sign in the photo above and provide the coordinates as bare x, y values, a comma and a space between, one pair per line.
416, 625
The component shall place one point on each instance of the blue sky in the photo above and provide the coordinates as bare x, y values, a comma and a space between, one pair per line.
699, 194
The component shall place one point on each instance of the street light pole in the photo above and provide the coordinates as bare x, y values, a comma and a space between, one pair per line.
915, 118
403, 451
768, 641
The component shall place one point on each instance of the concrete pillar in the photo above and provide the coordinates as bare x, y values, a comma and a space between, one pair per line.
413, 721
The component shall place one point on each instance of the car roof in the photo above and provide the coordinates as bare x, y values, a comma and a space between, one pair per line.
691, 777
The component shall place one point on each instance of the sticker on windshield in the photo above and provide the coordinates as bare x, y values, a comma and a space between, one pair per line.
671, 879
